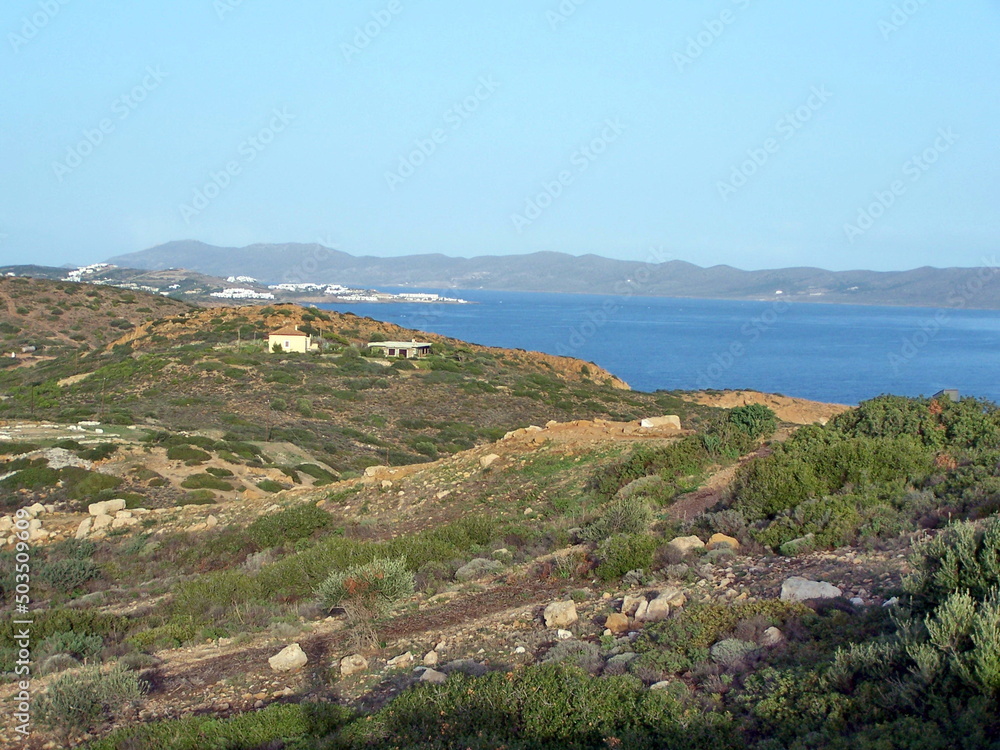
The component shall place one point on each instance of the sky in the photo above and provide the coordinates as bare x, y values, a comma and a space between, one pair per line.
855, 134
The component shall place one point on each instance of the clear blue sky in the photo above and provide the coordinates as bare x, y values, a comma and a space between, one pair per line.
645, 133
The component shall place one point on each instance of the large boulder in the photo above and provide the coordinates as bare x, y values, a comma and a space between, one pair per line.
618, 624
671, 422
722, 541
798, 589
288, 659
686, 544
106, 507
560, 614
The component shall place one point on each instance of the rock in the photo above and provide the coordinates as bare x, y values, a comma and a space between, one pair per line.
6, 524
211, 522
669, 422
121, 522
721, 540
673, 596
106, 508
660, 685
35, 510
386, 484
563, 635
353, 664
560, 614
84, 528
487, 461
288, 659
374, 471
891, 602
658, 609
35, 530
798, 589
772, 637
686, 544
431, 659
520, 650
401, 661
631, 604
618, 624
857, 601
434, 677
442, 494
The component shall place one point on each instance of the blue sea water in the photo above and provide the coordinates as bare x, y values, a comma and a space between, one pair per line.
837, 353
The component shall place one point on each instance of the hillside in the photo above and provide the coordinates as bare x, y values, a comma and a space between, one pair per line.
207, 371
59, 318
555, 601
590, 274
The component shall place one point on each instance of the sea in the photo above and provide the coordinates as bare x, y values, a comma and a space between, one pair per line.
835, 353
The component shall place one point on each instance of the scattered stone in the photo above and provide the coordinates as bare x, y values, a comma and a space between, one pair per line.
442, 494
353, 664
434, 677
84, 528
560, 614
563, 635
211, 522
686, 544
891, 602
431, 659
798, 589
618, 624
35, 510
660, 685
674, 597
401, 661
288, 659
386, 484
520, 650
857, 601
631, 604
106, 507
102, 521
487, 461
772, 637
721, 540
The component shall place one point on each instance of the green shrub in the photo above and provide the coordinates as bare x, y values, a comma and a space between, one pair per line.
86, 699
630, 515
186, 453
98, 452
288, 526
79, 645
87, 486
372, 588
33, 478
622, 553
756, 420
269, 485
198, 497
205, 482
69, 574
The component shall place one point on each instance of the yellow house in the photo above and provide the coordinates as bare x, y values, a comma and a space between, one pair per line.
289, 339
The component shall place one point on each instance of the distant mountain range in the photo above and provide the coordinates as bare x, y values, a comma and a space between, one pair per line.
559, 272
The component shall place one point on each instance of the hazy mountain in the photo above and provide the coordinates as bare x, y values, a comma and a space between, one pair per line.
558, 272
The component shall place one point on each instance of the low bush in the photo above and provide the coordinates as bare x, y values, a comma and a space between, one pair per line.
288, 526
206, 482
622, 553
85, 700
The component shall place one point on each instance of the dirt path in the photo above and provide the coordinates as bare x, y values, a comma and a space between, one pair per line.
794, 410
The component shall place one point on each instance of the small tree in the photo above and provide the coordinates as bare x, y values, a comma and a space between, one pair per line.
756, 420
276, 348
367, 593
